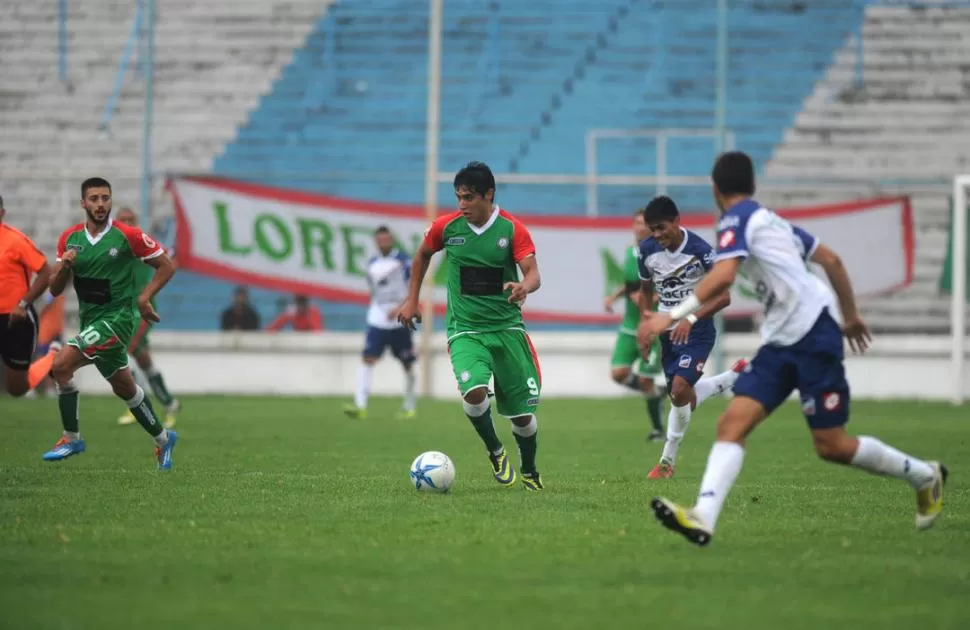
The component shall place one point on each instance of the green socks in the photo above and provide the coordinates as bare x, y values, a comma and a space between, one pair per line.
67, 402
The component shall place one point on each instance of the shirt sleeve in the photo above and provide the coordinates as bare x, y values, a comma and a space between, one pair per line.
142, 245
62, 244
706, 254
643, 268
30, 256
434, 236
732, 241
808, 243
631, 265
522, 244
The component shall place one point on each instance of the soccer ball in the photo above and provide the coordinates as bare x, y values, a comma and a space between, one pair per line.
432, 472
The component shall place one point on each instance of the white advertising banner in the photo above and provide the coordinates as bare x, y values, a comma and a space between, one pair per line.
318, 245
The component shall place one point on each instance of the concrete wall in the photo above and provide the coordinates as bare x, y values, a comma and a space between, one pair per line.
573, 365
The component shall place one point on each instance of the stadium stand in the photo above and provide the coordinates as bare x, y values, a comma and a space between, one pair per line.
211, 57
903, 128
334, 101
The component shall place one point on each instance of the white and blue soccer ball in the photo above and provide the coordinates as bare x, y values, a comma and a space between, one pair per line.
432, 471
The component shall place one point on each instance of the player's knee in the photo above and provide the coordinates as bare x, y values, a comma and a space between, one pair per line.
620, 374
739, 419
647, 385
681, 392
833, 445
476, 396
17, 385
368, 360
144, 360
61, 371
124, 389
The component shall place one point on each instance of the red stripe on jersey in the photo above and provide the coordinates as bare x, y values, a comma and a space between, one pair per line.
142, 245
434, 238
62, 241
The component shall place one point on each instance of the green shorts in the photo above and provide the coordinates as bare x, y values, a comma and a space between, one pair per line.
139, 341
105, 343
626, 353
506, 354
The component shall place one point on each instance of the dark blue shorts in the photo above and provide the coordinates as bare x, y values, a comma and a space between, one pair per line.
398, 339
687, 360
813, 366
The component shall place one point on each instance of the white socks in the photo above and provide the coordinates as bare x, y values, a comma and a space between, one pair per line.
410, 400
709, 386
364, 374
723, 466
677, 422
881, 459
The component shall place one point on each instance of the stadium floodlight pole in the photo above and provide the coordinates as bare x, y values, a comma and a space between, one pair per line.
148, 74
958, 284
720, 144
431, 184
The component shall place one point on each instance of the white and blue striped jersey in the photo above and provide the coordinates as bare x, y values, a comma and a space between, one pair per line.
388, 278
675, 274
776, 268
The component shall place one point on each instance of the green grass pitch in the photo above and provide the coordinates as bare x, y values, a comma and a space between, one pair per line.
280, 513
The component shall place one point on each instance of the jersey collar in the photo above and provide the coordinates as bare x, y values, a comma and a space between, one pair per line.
492, 219
683, 243
97, 237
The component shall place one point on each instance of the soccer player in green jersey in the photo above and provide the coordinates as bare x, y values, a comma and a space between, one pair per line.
101, 256
485, 249
139, 348
628, 366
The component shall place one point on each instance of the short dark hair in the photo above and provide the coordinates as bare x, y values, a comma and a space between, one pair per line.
476, 177
94, 182
660, 208
382, 229
733, 174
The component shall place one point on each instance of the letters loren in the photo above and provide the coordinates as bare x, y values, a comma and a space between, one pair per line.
313, 243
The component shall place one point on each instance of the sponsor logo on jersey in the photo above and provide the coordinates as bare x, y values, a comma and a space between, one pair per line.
729, 222
77, 248
700, 366
503, 243
727, 239
532, 402
684, 361
455, 240
148, 241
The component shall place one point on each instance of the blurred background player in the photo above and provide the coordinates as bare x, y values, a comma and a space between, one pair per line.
486, 335
803, 349
628, 367
145, 371
19, 260
101, 256
302, 316
672, 261
388, 275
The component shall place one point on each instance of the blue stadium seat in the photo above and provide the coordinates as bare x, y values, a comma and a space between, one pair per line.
353, 99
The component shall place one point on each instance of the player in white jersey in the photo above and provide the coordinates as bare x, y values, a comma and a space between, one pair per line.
388, 275
802, 349
672, 262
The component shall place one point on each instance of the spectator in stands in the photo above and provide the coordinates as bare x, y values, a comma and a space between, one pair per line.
241, 315
303, 316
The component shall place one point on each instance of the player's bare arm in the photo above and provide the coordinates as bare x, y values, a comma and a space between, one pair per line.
719, 280
854, 328
62, 273
37, 287
410, 311
530, 283
164, 270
